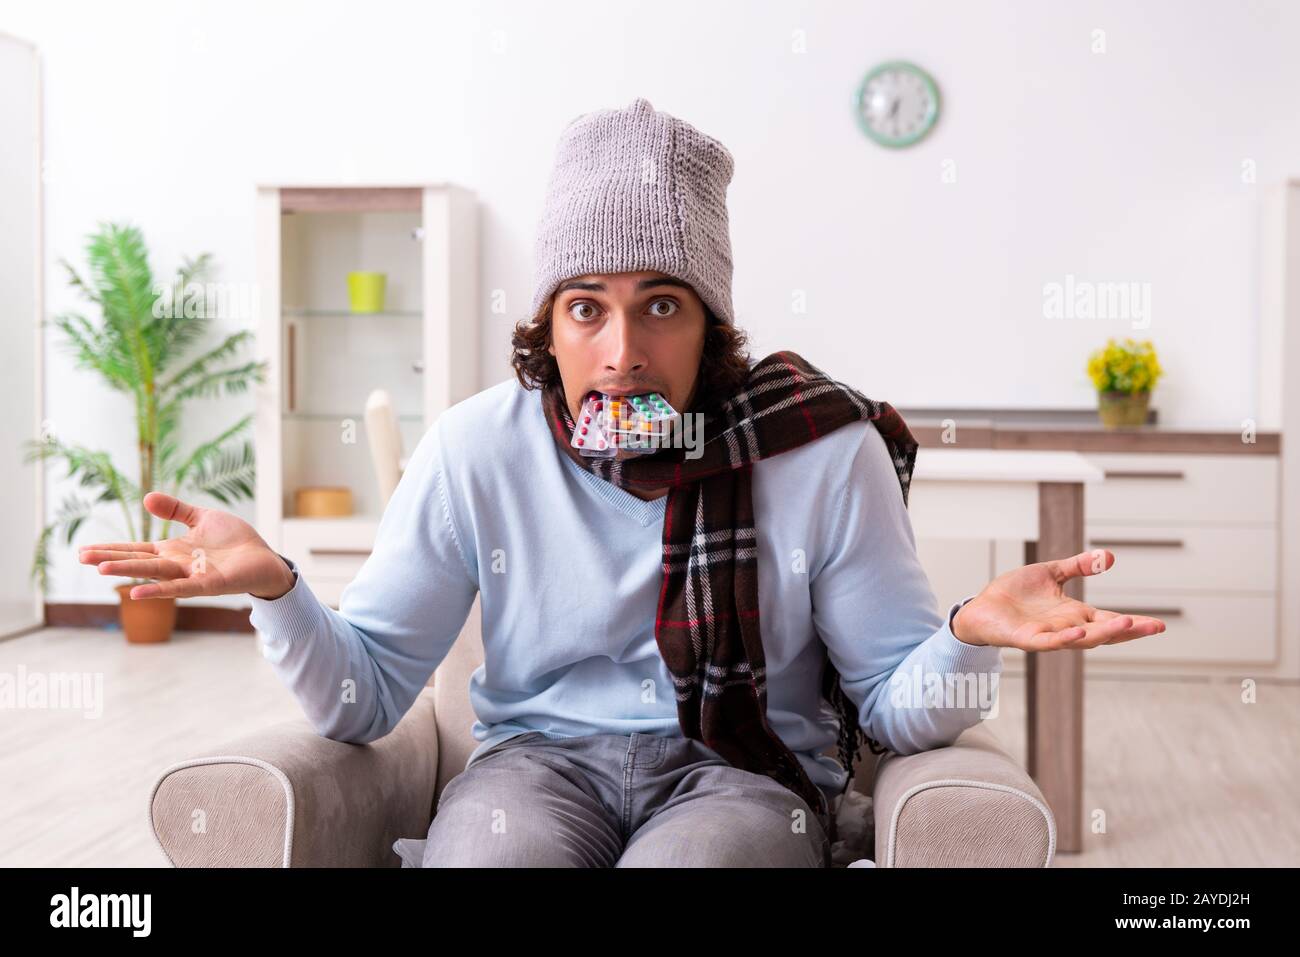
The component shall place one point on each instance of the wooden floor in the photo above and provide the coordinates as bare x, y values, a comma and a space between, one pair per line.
74, 789
1178, 772
1181, 773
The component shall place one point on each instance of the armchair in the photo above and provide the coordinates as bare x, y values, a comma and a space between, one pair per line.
287, 797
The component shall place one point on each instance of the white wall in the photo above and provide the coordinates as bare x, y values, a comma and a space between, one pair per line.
1113, 167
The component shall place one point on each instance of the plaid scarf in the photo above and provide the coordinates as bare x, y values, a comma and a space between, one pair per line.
707, 624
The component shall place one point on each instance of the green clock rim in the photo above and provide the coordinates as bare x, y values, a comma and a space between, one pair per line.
931, 117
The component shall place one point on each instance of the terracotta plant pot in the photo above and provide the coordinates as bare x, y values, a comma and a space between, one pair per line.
146, 620
1118, 409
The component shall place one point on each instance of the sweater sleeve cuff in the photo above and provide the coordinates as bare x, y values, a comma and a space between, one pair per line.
291, 617
961, 656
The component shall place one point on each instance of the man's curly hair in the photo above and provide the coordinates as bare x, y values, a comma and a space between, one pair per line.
724, 364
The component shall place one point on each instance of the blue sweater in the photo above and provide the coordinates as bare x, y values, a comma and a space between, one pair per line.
568, 568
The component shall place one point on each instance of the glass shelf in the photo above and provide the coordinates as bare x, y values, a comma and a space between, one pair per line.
333, 359
340, 416
348, 314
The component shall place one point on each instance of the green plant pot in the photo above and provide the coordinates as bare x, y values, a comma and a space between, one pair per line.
1118, 409
366, 291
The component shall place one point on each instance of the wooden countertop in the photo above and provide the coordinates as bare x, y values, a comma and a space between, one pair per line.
952, 464
1075, 430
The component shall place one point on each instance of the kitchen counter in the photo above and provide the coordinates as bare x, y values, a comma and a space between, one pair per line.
1076, 430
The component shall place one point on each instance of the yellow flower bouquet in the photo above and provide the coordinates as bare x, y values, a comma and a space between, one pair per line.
1124, 374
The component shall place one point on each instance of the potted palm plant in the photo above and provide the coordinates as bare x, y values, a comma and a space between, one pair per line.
143, 345
1124, 374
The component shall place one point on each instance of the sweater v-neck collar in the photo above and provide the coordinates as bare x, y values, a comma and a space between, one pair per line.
640, 510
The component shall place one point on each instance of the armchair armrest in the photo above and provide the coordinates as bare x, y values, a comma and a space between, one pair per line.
288, 797
967, 805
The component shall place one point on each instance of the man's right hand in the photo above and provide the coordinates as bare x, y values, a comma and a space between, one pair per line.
219, 554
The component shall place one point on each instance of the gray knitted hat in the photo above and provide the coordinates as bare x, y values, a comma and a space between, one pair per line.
637, 189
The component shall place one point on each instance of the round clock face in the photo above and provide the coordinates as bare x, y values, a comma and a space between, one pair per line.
897, 103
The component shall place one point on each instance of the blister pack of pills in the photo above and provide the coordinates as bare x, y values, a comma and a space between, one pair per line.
639, 423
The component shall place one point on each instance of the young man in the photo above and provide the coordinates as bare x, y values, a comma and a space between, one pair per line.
671, 641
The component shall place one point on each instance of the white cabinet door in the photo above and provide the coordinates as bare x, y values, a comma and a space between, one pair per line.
956, 567
20, 312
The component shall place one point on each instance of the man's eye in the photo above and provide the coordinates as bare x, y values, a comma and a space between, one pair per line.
672, 307
573, 311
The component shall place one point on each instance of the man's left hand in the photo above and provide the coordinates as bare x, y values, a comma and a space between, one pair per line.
1027, 608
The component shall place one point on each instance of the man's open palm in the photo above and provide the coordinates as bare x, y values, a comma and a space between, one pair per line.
219, 554
1027, 608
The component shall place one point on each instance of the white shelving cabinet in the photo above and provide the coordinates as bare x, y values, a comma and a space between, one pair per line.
324, 360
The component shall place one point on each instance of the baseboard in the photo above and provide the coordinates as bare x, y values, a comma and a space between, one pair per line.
188, 617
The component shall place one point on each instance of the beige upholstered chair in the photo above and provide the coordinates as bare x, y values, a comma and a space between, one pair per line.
287, 797
385, 442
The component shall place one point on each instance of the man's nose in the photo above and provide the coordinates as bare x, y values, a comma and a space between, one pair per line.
623, 350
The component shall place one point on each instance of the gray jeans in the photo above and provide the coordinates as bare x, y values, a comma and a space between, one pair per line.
612, 800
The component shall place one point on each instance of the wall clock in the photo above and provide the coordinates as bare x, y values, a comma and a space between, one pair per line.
897, 103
